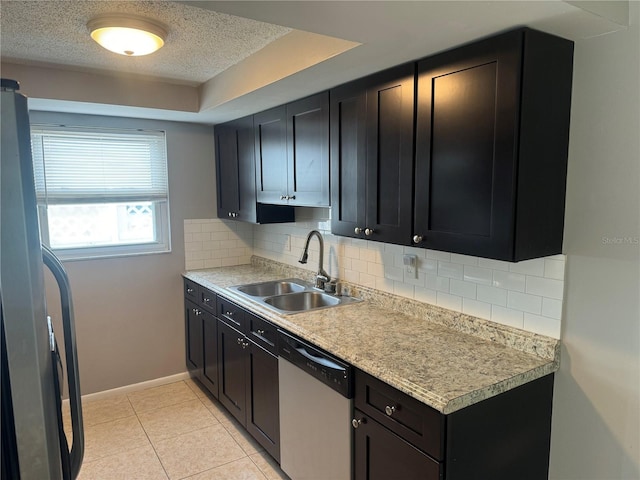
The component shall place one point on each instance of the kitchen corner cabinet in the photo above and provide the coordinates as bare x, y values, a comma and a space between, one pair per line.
292, 153
372, 156
235, 170
248, 373
502, 438
492, 133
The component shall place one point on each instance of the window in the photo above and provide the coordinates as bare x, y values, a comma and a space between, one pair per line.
101, 192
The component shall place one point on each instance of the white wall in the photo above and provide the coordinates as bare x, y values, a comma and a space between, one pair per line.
129, 318
596, 419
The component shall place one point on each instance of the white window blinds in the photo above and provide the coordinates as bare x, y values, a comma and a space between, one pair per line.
78, 165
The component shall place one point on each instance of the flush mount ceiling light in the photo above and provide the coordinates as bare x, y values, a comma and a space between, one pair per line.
128, 35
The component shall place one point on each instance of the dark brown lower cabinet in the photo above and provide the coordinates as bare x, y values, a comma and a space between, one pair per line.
382, 455
232, 370
263, 418
248, 387
193, 337
504, 437
209, 376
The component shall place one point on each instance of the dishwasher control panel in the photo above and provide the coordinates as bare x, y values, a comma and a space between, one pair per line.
330, 370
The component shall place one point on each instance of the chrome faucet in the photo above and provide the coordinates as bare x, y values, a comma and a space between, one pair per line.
322, 277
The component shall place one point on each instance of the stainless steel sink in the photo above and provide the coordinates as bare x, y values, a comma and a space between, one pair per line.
297, 302
291, 295
277, 287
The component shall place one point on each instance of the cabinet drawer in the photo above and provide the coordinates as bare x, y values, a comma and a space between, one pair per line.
191, 291
410, 419
208, 300
231, 313
262, 332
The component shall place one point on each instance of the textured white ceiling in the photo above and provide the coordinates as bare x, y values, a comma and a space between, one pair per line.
201, 43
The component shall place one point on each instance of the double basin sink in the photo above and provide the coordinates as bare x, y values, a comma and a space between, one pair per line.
291, 295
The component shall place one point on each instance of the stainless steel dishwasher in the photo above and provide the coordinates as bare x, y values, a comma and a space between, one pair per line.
315, 412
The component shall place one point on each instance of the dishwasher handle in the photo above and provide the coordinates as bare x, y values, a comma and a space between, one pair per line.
329, 370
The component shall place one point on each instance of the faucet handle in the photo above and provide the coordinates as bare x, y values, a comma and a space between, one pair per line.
321, 280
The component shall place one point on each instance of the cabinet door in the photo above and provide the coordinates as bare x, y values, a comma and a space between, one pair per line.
390, 104
263, 418
271, 155
308, 151
209, 376
348, 115
382, 455
226, 138
193, 337
235, 162
468, 105
231, 370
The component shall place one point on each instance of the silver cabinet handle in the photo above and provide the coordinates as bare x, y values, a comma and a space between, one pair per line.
189, 290
355, 423
206, 300
292, 197
417, 238
234, 215
260, 332
358, 230
229, 214
228, 314
368, 231
283, 197
197, 311
390, 410
239, 340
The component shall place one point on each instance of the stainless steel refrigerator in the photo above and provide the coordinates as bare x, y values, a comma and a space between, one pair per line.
34, 445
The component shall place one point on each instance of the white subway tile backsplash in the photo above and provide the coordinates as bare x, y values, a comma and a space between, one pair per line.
507, 316
542, 325
476, 308
384, 284
367, 280
450, 270
493, 264
493, 295
545, 287
404, 290
554, 269
375, 269
410, 279
524, 302
426, 295
463, 259
428, 265
463, 289
478, 275
441, 284
394, 273
437, 255
552, 308
524, 295
529, 267
509, 281
446, 300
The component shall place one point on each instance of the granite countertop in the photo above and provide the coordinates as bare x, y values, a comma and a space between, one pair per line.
445, 359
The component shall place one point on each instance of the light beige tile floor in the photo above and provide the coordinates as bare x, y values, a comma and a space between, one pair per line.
174, 431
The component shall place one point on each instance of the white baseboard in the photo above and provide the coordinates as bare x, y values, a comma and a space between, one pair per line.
135, 387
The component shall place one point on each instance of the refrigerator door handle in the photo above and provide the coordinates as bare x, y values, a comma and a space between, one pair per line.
71, 355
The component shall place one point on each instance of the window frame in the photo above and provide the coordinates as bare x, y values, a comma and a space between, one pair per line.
161, 207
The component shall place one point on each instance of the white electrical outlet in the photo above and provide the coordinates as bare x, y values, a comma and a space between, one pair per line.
411, 264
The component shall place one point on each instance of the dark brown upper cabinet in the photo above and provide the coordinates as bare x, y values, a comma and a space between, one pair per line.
235, 161
372, 156
492, 134
292, 153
